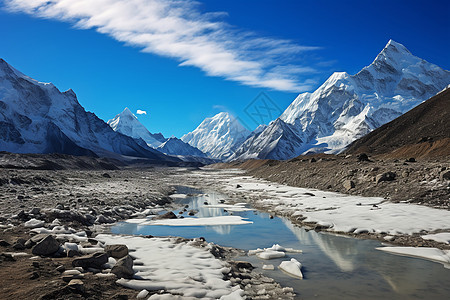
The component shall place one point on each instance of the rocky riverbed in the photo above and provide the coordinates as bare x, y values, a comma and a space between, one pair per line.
51, 228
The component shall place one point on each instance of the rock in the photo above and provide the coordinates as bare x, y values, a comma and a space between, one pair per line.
35, 264
167, 215
445, 175
244, 265
7, 257
72, 253
76, 285
192, 212
312, 160
34, 275
20, 244
124, 267
35, 211
238, 186
47, 246
60, 268
33, 223
116, 251
411, 159
101, 219
388, 176
106, 175
95, 260
4, 243
363, 157
348, 185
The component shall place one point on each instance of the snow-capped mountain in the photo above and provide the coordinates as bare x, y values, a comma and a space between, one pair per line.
175, 146
347, 107
217, 136
127, 123
36, 117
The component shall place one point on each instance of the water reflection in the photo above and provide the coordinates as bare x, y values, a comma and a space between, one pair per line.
335, 267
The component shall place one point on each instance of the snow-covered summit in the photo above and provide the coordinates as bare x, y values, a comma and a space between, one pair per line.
217, 136
346, 107
127, 123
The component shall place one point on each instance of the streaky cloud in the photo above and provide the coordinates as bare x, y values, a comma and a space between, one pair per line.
179, 30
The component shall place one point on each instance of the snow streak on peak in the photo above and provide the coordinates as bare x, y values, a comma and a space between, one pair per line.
217, 136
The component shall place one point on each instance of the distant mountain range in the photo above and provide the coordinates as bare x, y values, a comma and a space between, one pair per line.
36, 117
347, 107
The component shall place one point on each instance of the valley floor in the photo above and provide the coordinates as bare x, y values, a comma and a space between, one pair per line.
87, 201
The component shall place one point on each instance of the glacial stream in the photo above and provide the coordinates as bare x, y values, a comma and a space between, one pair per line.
334, 267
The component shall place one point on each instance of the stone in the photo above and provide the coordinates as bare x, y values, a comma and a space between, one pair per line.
445, 175
116, 251
238, 186
388, 176
4, 243
142, 294
411, 159
20, 244
124, 267
348, 185
77, 285
106, 175
35, 211
363, 157
95, 260
167, 215
244, 265
60, 268
34, 275
72, 253
47, 246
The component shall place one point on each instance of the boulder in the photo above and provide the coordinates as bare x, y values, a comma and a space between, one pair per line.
47, 246
76, 285
116, 251
363, 157
388, 176
167, 215
95, 260
445, 175
348, 185
124, 267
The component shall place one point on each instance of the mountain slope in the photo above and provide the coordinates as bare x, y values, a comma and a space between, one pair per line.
36, 117
347, 107
422, 131
217, 136
128, 124
175, 146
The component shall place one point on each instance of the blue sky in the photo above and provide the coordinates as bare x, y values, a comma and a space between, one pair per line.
184, 61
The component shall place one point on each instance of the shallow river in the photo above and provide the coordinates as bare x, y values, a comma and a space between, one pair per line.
334, 267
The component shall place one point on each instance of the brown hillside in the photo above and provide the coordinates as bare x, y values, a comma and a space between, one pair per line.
423, 131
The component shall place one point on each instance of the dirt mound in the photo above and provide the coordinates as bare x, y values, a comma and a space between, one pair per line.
422, 132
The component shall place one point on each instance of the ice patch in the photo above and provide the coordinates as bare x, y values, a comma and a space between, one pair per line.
270, 254
443, 237
178, 196
292, 268
210, 221
433, 254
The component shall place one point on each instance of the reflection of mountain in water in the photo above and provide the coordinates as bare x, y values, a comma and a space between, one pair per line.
405, 276
341, 251
198, 203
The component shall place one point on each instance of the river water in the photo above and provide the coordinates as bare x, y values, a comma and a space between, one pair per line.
334, 267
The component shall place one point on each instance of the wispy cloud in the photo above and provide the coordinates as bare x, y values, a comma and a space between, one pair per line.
178, 29
141, 112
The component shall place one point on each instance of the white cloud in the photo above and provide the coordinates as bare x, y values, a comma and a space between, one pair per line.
141, 112
178, 29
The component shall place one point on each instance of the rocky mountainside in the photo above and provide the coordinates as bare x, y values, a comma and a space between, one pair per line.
128, 124
347, 107
423, 131
218, 136
36, 117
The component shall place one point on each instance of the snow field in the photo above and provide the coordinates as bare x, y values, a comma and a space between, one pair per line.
178, 268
